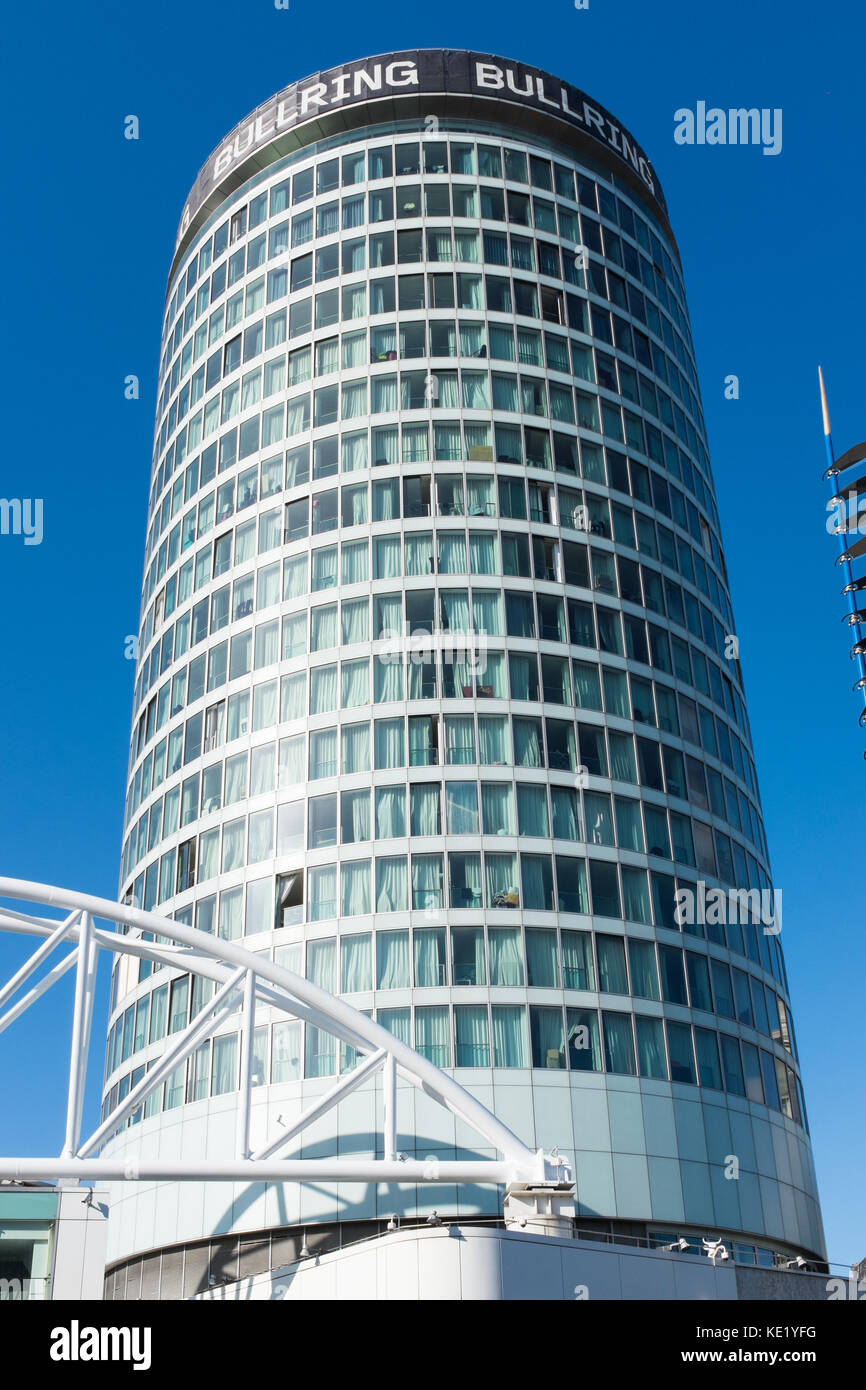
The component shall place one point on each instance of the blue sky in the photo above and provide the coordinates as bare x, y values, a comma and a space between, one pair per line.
764, 242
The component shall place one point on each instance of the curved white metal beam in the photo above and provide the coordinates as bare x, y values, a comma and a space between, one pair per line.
345, 1022
262, 1170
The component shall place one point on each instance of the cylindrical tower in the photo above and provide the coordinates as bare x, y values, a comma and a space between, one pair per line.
437, 696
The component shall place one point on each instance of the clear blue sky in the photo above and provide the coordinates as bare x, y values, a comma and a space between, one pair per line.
766, 242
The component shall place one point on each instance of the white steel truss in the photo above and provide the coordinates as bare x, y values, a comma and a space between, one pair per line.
539, 1184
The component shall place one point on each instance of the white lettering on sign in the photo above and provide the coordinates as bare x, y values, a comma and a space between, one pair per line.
491, 77
368, 80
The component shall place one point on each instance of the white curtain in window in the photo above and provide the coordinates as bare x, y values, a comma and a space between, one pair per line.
460, 739
356, 747
327, 357
391, 885
447, 443
295, 634
208, 855
383, 340
390, 811
298, 417
492, 739
416, 443
354, 452
467, 246
233, 844
354, 301
225, 1052
461, 801
386, 501
353, 212
471, 339
388, 681
324, 567
272, 425
455, 607
252, 389
426, 881
482, 551
291, 770
527, 743
452, 552
439, 246
476, 392
321, 963
599, 825
297, 465
356, 970
354, 399
293, 696
285, 1050
355, 815
392, 960
323, 628
506, 956
467, 882
432, 1038
355, 620
322, 892
448, 394
230, 925
262, 769
323, 689
470, 1026
487, 612
355, 560
355, 683
320, 1052
469, 291
502, 342
354, 349
509, 1035
386, 556
429, 957
355, 886
383, 394
424, 804
236, 778
501, 874
323, 753
385, 446
299, 366
541, 961
566, 813
497, 808
419, 553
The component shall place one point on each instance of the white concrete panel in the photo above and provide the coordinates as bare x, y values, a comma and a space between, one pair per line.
439, 1268
626, 1123
356, 1275
591, 1121
631, 1183
660, 1126
594, 1190
399, 1260
531, 1268
480, 1268
647, 1278
597, 1270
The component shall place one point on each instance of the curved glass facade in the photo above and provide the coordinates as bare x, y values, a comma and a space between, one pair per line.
435, 698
